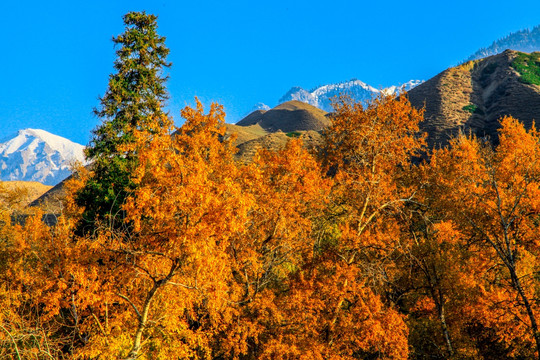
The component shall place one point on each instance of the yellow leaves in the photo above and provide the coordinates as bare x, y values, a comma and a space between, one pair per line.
447, 233
292, 256
491, 196
335, 316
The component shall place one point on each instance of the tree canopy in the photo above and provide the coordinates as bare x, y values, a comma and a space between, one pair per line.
353, 250
134, 98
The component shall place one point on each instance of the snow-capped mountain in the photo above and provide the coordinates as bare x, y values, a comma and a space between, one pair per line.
259, 106
405, 86
37, 155
322, 96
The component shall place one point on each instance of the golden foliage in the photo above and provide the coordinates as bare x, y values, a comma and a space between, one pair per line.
353, 253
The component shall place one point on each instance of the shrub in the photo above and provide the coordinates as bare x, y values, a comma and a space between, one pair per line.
528, 67
293, 134
473, 109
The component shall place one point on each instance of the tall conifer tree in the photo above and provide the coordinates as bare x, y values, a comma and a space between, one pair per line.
135, 94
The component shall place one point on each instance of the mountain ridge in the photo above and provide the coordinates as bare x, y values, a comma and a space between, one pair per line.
322, 96
525, 40
293, 115
472, 97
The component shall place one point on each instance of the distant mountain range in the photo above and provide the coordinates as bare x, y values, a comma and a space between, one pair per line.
470, 96
37, 155
523, 40
259, 106
322, 96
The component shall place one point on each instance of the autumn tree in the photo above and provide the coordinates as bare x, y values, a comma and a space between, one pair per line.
135, 94
492, 195
338, 297
286, 194
368, 152
436, 283
158, 290
164, 283
35, 291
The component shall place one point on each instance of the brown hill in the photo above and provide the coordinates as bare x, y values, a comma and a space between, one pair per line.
252, 119
287, 117
475, 95
52, 200
23, 192
276, 141
244, 133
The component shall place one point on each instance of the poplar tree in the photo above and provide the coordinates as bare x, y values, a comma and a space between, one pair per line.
135, 94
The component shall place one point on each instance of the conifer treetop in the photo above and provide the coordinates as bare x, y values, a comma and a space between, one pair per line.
137, 89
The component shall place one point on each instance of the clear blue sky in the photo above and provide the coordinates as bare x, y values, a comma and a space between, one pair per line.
57, 55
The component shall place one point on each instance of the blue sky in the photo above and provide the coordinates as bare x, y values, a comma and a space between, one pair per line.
57, 55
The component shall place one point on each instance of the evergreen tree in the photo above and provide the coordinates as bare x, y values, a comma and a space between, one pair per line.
135, 94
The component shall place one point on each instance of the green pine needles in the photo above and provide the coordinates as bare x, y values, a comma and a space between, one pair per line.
135, 93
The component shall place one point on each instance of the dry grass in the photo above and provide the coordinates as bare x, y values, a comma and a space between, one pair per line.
22, 193
287, 117
472, 97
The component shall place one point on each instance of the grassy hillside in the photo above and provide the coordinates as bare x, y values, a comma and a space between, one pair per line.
287, 117
528, 67
23, 192
472, 97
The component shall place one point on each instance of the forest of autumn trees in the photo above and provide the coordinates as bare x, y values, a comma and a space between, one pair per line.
370, 246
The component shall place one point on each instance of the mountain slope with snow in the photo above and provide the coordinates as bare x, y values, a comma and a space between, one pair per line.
37, 155
322, 96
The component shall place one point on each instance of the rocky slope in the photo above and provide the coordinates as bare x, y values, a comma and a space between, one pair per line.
474, 96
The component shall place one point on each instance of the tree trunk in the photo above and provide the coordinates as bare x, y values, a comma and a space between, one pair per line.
527, 304
143, 319
444, 327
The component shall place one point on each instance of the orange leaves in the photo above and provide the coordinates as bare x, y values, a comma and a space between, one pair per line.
369, 152
329, 313
172, 268
355, 254
491, 194
377, 138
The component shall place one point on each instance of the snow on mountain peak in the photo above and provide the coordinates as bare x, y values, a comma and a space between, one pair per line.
37, 155
405, 86
343, 86
260, 106
322, 96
